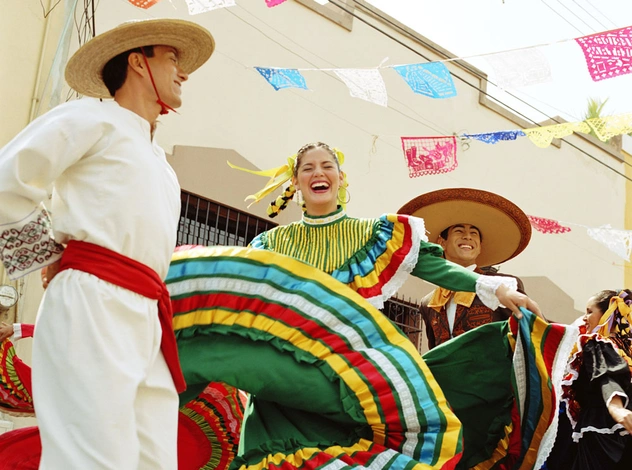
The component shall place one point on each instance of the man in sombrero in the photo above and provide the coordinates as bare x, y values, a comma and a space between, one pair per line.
477, 229
105, 364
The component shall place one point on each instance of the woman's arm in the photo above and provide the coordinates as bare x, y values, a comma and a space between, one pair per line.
620, 413
494, 291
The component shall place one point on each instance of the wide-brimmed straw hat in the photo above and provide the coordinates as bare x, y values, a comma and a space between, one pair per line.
505, 228
84, 69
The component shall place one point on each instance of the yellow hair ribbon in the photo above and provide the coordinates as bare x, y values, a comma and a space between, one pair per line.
278, 176
342, 190
616, 303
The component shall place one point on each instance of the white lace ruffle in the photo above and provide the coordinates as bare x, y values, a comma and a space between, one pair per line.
617, 428
486, 289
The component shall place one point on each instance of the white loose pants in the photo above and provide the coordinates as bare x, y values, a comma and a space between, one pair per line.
103, 395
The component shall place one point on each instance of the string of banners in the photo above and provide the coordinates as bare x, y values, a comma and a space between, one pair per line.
202, 6
607, 54
616, 240
435, 155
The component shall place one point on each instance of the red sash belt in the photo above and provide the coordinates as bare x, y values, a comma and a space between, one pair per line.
129, 274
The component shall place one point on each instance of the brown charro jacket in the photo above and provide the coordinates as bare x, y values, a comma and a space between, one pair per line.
465, 319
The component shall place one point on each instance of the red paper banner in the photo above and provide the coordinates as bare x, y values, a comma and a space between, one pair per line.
429, 155
143, 3
547, 225
608, 54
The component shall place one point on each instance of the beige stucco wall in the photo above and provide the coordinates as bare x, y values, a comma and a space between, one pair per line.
228, 105
29, 42
230, 109
627, 153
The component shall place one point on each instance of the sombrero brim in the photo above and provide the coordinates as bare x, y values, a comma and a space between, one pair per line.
193, 42
504, 226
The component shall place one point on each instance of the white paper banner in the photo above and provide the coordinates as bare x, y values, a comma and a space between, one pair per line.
617, 241
202, 6
366, 84
520, 68
322, 2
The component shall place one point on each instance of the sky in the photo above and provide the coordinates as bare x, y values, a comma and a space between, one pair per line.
474, 27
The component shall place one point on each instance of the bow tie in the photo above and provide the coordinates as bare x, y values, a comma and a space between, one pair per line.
442, 296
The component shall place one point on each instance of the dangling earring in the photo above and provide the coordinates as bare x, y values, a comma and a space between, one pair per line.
300, 201
348, 197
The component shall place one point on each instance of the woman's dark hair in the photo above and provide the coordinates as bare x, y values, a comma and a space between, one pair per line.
622, 333
114, 73
602, 299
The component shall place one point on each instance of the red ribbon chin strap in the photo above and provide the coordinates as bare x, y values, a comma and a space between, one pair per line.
164, 107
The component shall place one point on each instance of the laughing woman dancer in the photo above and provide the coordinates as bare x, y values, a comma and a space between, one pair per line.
372, 256
292, 320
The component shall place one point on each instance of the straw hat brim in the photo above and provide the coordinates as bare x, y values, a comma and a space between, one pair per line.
505, 228
194, 44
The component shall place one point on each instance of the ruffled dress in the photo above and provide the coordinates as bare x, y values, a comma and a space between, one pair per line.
15, 382
596, 372
334, 383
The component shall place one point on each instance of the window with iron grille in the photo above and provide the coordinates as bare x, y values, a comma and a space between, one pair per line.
406, 315
206, 222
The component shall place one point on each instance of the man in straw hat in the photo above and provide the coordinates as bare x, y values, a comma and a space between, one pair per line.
105, 364
476, 229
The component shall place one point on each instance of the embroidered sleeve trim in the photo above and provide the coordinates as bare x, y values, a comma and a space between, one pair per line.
486, 289
28, 245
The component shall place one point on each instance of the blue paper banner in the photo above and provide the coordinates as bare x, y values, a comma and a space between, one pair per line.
495, 137
432, 79
283, 78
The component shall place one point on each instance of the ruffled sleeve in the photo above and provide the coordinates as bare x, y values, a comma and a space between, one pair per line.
400, 247
378, 270
607, 370
260, 242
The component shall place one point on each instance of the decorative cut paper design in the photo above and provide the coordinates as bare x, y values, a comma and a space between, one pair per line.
283, 78
366, 84
495, 137
608, 54
429, 155
543, 136
202, 6
273, 3
617, 241
520, 68
144, 4
547, 225
432, 79
607, 127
